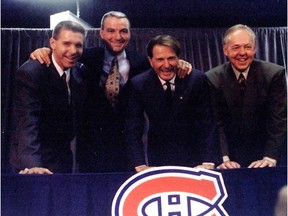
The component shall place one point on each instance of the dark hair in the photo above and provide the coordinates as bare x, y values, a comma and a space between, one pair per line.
116, 14
235, 28
68, 25
165, 40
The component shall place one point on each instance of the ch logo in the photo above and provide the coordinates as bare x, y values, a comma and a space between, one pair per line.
171, 191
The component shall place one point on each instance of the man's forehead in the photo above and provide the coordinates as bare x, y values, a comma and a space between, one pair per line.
112, 22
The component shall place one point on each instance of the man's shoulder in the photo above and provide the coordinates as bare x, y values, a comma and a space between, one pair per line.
93, 53
32, 67
266, 66
218, 69
197, 72
215, 73
94, 49
144, 75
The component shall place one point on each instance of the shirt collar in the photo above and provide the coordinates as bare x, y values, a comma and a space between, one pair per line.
172, 81
109, 57
58, 68
237, 73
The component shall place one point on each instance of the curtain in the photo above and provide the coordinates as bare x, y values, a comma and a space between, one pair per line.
201, 47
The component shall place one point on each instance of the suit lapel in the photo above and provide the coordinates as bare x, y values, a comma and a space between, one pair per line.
251, 92
155, 97
231, 87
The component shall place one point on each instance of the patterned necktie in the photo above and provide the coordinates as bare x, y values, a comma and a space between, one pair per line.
168, 93
242, 82
112, 86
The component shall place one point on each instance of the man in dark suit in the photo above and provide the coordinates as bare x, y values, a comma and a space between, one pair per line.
249, 99
48, 103
180, 119
100, 145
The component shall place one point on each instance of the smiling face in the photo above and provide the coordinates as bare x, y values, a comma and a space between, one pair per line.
164, 61
240, 49
116, 34
68, 48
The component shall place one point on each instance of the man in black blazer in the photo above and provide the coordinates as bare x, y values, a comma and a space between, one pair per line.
101, 146
180, 119
249, 100
48, 104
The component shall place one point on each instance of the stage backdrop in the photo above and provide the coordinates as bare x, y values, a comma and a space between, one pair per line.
202, 47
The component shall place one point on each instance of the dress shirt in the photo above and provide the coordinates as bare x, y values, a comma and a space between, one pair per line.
172, 83
61, 72
123, 64
237, 73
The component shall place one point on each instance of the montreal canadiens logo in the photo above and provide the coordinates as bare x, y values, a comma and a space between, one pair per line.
171, 191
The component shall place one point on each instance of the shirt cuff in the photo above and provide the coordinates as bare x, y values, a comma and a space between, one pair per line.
226, 158
208, 163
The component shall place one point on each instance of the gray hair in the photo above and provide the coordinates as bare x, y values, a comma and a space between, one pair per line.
116, 14
236, 28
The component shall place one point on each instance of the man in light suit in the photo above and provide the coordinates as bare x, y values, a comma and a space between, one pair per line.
180, 119
101, 144
249, 100
48, 105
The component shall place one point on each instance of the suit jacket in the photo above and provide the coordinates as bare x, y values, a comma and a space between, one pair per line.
45, 123
101, 146
178, 135
256, 126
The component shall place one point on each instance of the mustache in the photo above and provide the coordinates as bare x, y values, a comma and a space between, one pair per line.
170, 69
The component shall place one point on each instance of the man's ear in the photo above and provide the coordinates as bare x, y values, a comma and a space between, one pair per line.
52, 43
101, 33
150, 61
225, 51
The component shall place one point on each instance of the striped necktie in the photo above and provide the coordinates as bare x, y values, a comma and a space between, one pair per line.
242, 82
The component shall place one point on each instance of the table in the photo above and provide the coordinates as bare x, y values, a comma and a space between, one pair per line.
250, 192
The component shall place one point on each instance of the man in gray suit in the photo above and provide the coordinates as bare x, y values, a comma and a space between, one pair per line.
248, 97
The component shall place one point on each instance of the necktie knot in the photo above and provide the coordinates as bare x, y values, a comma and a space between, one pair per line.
168, 85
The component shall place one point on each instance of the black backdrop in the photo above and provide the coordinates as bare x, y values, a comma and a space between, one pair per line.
200, 46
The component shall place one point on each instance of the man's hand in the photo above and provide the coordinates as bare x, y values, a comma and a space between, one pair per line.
142, 168
184, 68
262, 163
36, 170
41, 55
206, 165
229, 165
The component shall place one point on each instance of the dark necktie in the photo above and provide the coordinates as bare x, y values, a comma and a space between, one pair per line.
168, 93
242, 82
63, 77
112, 86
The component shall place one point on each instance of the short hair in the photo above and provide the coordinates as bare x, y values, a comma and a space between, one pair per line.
116, 14
67, 25
236, 28
165, 40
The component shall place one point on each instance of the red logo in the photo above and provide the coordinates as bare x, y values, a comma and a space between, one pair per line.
171, 191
